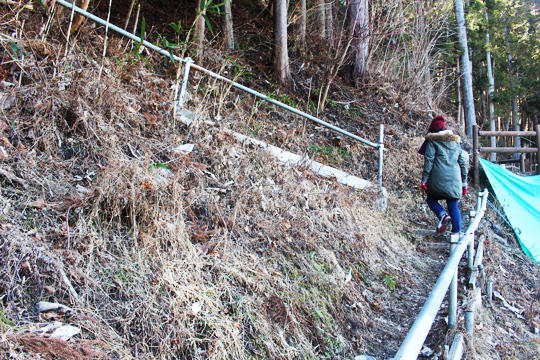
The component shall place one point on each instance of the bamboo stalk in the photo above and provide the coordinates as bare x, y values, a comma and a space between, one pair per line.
126, 22
136, 19
104, 51
69, 29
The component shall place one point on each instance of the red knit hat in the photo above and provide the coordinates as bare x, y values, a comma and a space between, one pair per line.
437, 124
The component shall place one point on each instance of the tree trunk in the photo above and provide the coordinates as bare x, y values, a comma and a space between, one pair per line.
466, 70
199, 30
458, 86
515, 123
329, 21
360, 31
515, 109
321, 18
281, 54
229, 34
302, 25
491, 91
427, 65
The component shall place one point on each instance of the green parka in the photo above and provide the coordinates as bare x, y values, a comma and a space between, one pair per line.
445, 166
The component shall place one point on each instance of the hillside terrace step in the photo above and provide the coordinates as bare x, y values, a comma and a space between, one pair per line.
288, 158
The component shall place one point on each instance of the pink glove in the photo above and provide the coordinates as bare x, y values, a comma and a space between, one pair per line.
464, 190
423, 186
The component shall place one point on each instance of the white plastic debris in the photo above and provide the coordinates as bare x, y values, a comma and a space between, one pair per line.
44, 306
426, 351
364, 357
65, 332
184, 149
348, 277
196, 307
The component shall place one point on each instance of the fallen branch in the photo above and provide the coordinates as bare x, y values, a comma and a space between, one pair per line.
515, 310
12, 177
63, 277
12, 2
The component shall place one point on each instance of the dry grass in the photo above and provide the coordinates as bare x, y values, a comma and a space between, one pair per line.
218, 254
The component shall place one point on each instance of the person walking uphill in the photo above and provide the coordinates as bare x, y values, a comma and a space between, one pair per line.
445, 174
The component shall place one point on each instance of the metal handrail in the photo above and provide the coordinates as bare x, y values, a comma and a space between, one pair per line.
190, 64
411, 346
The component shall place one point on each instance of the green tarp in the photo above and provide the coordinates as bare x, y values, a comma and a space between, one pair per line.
519, 196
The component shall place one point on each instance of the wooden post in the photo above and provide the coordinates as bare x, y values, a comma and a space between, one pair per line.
476, 161
538, 147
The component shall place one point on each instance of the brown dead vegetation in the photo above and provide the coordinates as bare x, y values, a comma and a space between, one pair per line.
218, 254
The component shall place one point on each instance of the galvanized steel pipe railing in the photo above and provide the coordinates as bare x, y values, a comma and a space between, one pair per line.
190, 65
215, 75
411, 346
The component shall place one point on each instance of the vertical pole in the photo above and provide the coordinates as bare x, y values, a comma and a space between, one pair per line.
381, 154
538, 148
493, 139
469, 321
452, 296
470, 252
476, 161
180, 100
456, 351
469, 315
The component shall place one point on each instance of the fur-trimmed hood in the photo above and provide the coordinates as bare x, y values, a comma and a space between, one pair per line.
445, 135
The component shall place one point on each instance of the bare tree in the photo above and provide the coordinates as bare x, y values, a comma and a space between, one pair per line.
281, 54
466, 70
229, 34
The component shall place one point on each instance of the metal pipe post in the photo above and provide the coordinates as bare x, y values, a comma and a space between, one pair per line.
452, 296
185, 78
381, 154
470, 252
469, 316
456, 351
469, 321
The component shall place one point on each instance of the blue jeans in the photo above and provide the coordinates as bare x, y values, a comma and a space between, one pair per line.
453, 209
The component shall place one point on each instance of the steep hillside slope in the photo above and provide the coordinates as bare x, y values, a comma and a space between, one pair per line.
213, 253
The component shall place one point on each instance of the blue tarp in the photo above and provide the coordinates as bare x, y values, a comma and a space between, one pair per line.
519, 197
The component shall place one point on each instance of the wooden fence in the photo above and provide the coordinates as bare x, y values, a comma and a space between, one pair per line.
477, 149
